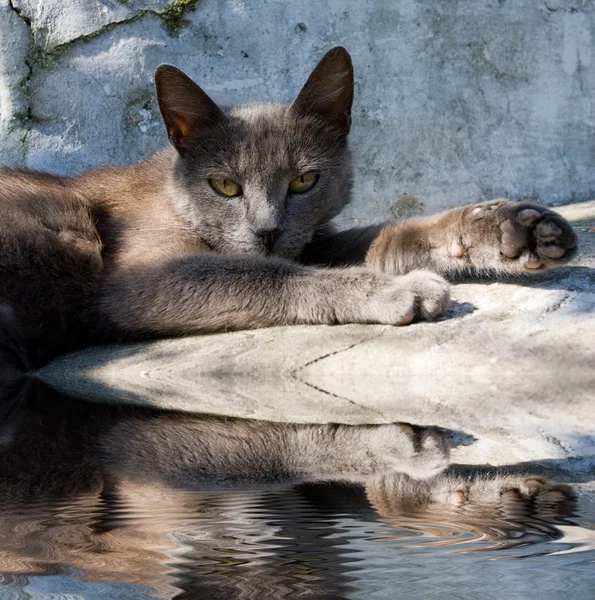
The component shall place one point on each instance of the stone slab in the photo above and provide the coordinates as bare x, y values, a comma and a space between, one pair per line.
512, 365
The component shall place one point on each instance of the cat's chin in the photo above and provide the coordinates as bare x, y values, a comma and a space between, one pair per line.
291, 247
285, 253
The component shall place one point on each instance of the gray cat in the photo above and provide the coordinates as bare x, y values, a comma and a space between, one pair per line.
105, 491
232, 229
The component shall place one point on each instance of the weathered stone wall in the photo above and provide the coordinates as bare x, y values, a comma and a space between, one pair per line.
456, 101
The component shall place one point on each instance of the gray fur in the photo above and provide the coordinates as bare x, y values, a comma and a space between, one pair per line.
112, 484
263, 148
153, 249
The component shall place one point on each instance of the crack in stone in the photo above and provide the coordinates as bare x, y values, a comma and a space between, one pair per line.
51, 54
372, 410
359, 342
172, 18
295, 374
20, 13
26, 118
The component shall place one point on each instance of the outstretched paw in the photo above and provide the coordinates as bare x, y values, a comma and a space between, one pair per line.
529, 237
405, 298
420, 452
508, 510
432, 452
506, 491
473, 494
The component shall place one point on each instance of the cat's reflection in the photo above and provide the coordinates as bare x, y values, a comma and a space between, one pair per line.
111, 492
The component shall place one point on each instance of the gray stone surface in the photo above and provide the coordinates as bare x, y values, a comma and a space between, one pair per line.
512, 365
14, 101
55, 23
455, 101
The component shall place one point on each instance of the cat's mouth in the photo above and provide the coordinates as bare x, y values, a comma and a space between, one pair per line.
284, 248
281, 251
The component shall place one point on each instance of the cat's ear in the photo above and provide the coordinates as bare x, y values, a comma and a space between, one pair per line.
185, 108
328, 92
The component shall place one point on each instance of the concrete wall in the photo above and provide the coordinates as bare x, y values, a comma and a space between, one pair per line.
456, 101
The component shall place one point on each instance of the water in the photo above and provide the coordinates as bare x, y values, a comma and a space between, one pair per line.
76, 525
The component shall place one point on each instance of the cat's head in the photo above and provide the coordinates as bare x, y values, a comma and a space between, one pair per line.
261, 179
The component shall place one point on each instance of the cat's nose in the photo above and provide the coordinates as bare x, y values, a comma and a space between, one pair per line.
269, 236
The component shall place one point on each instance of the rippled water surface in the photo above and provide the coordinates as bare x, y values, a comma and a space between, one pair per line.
319, 541
73, 528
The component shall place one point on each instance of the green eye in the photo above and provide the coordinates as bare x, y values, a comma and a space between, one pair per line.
227, 187
303, 183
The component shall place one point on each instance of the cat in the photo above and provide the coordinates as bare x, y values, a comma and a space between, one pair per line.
108, 491
231, 228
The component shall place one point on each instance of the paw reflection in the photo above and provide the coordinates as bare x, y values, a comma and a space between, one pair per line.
507, 510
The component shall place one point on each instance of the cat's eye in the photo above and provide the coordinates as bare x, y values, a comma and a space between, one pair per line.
302, 183
227, 187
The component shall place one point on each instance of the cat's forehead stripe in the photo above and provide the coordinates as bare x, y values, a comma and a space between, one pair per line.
253, 113
263, 142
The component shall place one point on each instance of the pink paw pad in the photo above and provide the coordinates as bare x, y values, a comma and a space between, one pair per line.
513, 239
548, 232
533, 264
407, 318
456, 249
529, 217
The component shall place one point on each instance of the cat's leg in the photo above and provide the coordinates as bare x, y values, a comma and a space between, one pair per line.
212, 293
509, 509
197, 452
396, 493
497, 237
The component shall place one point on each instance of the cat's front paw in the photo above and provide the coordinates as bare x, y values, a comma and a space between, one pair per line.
405, 298
505, 491
527, 237
419, 452
472, 494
